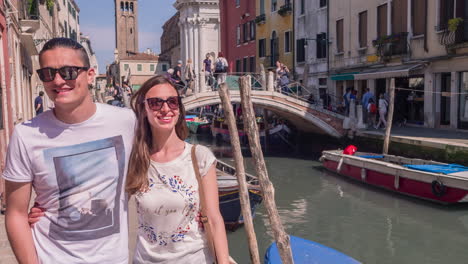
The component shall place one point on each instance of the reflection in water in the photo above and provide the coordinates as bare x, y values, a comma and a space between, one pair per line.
369, 224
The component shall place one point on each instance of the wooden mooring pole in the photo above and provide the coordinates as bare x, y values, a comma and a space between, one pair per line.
240, 172
391, 106
250, 125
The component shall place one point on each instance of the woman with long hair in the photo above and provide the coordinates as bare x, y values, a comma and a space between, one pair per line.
163, 181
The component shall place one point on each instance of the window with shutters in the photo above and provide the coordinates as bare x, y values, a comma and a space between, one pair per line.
287, 41
339, 36
245, 31
446, 12
323, 3
238, 65
363, 29
274, 5
238, 35
302, 7
382, 20
399, 16
245, 65
139, 67
252, 30
418, 16
322, 43
252, 64
300, 53
262, 48
152, 67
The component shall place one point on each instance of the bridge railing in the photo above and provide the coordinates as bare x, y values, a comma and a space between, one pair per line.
311, 95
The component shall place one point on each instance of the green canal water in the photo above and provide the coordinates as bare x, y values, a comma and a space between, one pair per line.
368, 224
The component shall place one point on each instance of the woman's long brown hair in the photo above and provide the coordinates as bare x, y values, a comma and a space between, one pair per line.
137, 178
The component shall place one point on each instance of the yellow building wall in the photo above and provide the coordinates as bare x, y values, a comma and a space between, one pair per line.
281, 24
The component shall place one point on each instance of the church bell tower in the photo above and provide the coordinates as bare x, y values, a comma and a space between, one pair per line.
126, 27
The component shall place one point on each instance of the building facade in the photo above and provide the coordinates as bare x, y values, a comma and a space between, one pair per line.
240, 48
138, 68
311, 44
67, 19
126, 27
421, 44
275, 33
199, 33
170, 41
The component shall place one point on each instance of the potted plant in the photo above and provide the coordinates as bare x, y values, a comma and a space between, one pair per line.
453, 23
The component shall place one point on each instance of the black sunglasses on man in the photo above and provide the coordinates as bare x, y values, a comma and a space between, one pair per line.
66, 72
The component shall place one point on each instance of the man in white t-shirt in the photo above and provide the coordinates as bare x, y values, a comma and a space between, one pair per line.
75, 156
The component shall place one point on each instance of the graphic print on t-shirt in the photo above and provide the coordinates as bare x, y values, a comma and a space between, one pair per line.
89, 178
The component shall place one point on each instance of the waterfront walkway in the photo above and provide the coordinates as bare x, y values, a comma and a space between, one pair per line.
426, 137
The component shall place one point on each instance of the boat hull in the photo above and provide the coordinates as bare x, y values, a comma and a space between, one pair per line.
401, 181
230, 207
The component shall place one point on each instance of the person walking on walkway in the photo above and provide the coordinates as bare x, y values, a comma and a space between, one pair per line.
365, 101
177, 75
383, 105
162, 179
221, 68
39, 103
75, 158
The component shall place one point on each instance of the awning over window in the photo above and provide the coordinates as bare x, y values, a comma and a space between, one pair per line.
344, 76
390, 72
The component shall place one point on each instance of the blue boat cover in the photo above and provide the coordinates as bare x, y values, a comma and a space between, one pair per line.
305, 251
445, 169
190, 116
371, 156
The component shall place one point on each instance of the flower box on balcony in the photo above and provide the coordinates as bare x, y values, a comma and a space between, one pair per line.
285, 9
260, 19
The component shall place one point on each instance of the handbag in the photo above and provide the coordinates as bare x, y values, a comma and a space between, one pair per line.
204, 217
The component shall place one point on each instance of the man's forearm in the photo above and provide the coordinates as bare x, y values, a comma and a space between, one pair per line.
20, 237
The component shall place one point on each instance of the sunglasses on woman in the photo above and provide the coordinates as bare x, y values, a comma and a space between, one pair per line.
156, 103
67, 73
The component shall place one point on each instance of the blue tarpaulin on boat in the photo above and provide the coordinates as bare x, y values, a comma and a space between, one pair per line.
371, 156
305, 251
445, 169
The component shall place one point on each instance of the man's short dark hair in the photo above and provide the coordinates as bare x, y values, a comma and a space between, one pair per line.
41, 93
66, 43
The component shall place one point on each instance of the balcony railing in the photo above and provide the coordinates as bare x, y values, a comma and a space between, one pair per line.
260, 19
449, 37
285, 9
392, 45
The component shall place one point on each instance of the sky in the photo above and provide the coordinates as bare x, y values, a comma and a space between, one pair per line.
97, 20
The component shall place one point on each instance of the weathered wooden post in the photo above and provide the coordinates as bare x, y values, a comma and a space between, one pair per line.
391, 106
250, 124
240, 172
262, 77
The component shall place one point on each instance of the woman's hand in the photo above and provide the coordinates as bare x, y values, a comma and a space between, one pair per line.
35, 214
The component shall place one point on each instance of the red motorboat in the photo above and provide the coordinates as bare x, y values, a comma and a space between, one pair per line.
429, 180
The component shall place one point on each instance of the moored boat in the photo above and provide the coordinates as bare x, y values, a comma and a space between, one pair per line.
306, 251
229, 201
197, 125
429, 180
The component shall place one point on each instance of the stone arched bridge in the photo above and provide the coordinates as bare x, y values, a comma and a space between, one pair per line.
307, 117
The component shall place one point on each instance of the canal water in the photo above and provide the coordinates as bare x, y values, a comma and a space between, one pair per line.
368, 224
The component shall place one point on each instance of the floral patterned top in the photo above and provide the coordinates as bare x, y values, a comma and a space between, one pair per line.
167, 228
